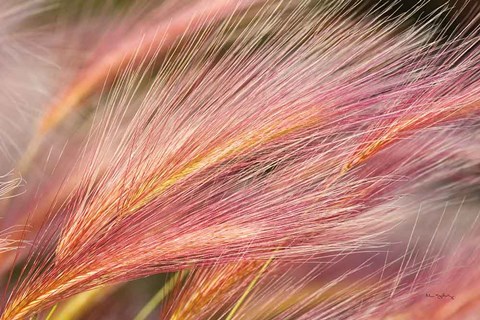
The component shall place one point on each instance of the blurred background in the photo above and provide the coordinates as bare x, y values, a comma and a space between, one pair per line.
56, 40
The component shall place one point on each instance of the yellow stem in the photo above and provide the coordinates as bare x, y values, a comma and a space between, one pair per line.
250, 287
50, 314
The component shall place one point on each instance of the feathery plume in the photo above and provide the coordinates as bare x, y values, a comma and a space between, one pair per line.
235, 150
145, 42
207, 290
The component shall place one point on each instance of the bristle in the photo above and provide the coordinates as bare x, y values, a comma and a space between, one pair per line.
146, 42
236, 133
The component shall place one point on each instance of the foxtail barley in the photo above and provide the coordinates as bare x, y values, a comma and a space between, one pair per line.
236, 138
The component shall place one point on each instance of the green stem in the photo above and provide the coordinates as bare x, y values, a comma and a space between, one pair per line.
159, 296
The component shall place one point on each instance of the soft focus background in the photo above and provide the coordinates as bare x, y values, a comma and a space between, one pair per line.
45, 45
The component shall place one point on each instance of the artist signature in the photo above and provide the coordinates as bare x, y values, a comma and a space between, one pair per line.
440, 296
